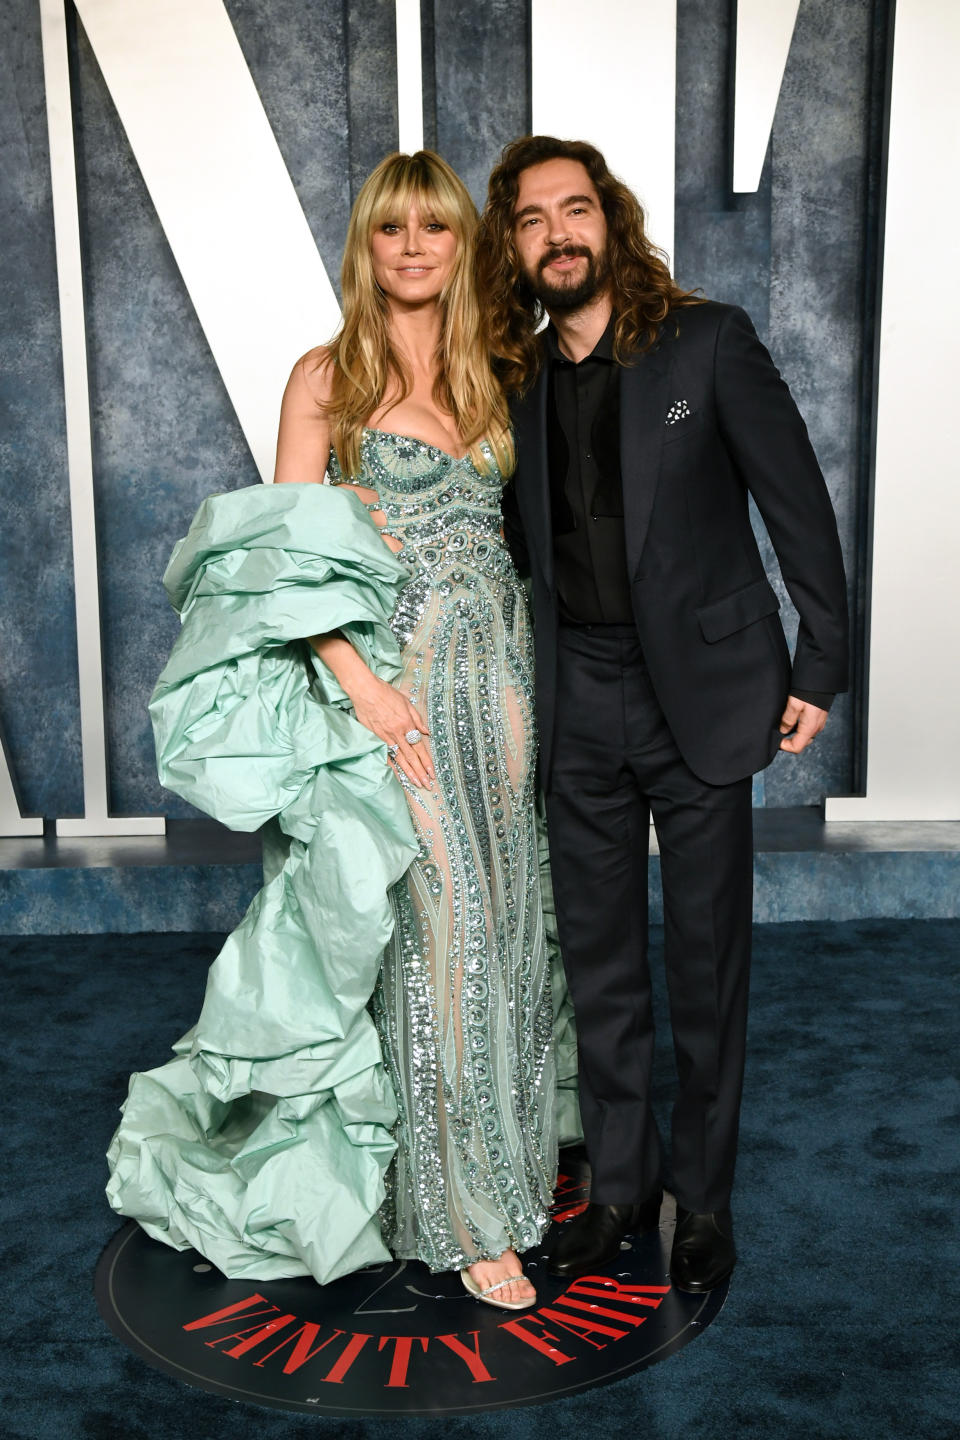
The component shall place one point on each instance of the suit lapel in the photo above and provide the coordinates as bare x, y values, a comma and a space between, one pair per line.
532, 478
644, 402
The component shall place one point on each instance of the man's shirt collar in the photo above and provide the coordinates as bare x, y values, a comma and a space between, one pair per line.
603, 350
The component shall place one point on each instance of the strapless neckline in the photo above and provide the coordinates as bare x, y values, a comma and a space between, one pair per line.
416, 440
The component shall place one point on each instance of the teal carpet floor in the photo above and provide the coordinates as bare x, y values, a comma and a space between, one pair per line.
841, 1317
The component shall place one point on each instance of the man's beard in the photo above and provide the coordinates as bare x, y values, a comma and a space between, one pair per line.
567, 297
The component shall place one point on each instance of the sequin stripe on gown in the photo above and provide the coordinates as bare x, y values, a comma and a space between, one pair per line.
463, 1003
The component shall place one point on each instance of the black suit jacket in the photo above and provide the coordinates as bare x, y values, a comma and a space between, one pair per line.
705, 611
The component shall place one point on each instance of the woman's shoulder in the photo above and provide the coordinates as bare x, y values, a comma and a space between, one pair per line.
312, 375
303, 443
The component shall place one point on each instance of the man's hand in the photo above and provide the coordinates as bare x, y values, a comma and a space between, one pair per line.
805, 720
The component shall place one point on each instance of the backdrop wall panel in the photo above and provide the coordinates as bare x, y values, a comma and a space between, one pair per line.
799, 254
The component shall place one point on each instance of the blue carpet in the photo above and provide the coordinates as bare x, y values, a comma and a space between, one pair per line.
840, 1320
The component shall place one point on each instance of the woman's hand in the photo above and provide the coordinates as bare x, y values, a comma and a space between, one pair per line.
390, 715
379, 707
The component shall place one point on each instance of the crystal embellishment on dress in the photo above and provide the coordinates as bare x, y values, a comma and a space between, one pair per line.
463, 1005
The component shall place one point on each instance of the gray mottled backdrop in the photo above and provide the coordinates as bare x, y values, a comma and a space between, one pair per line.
800, 255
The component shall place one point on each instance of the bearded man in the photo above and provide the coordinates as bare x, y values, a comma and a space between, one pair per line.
644, 419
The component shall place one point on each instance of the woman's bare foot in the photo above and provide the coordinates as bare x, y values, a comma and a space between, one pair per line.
490, 1272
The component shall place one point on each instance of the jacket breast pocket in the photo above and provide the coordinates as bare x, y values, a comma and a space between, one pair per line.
685, 428
734, 612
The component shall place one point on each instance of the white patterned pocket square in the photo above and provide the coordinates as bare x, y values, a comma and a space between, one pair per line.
679, 410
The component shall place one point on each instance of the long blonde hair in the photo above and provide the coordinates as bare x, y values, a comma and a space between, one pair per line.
365, 361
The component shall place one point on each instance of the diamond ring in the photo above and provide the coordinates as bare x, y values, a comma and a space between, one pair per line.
393, 751
413, 737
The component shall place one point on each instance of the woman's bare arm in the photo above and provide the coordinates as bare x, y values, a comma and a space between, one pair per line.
303, 449
303, 442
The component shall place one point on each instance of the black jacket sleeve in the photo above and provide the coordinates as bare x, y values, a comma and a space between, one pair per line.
765, 434
513, 530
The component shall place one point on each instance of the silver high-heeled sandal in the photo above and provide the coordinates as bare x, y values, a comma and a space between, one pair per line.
487, 1296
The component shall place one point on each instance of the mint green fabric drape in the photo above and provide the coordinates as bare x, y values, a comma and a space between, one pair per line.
264, 1142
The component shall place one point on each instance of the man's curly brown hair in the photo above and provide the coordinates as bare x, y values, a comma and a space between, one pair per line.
642, 288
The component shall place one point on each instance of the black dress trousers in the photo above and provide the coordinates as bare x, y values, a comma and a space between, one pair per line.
615, 764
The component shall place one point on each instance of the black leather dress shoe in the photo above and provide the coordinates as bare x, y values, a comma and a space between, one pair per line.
703, 1254
594, 1237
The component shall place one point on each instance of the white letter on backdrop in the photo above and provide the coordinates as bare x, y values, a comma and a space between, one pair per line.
764, 29
607, 73
913, 734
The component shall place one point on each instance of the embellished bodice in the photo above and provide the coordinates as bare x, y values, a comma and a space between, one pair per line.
443, 510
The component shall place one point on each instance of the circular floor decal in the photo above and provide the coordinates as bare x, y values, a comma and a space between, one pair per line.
396, 1340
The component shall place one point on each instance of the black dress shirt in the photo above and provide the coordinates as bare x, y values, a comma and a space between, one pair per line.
586, 491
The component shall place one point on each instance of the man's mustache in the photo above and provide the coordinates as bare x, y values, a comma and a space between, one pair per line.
564, 252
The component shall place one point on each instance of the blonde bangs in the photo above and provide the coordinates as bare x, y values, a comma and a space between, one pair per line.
410, 186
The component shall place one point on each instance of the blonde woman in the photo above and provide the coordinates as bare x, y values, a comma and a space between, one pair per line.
403, 406
402, 415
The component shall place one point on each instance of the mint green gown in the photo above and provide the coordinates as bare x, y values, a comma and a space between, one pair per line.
374, 1069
